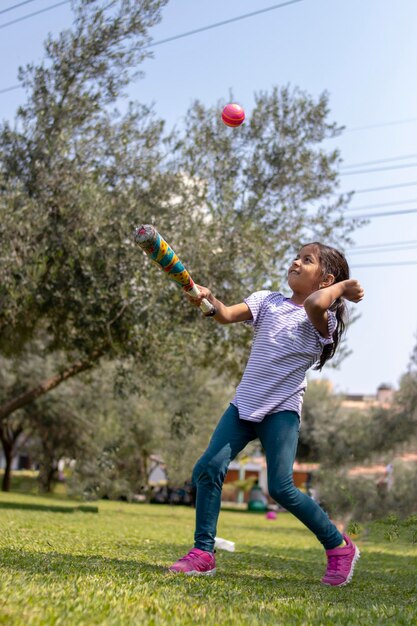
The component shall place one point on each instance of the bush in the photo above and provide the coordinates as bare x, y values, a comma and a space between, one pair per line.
359, 498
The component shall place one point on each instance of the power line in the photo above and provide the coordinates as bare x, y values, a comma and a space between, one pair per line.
381, 204
10, 88
383, 245
387, 160
385, 187
173, 38
372, 215
25, 17
223, 23
385, 250
379, 169
393, 123
387, 264
15, 6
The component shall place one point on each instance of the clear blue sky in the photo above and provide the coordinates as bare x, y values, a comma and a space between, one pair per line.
364, 53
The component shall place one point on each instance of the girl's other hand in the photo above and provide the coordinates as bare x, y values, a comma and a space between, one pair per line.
353, 290
196, 300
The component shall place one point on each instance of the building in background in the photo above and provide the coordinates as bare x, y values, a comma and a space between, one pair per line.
384, 398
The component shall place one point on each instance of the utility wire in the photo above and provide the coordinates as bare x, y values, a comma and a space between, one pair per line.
10, 88
383, 245
388, 264
370, 126
379, 205
387, 160
162, 41
174, 37
384, 250
15, 6
385, 214
379, 169
25, 17
385, 187
223, 23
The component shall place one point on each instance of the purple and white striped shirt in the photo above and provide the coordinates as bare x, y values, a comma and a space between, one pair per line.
285, 346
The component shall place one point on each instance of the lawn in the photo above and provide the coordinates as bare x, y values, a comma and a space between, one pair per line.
61, 565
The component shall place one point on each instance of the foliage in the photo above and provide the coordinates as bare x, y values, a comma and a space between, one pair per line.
263, 190
339, 438
320, 410
76, 175
334, 435
68, 195
361, 499
173, 420
56, 432
194, 401
117, 465
331, 434
64, 174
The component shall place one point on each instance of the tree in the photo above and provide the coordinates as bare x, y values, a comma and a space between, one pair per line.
336, 436
193, 402
76, 175
12, 382
321, 410
263, 190
10, 431
173, 419
56, 432
67, 169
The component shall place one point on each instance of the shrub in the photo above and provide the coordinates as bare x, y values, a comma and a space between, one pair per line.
360, 499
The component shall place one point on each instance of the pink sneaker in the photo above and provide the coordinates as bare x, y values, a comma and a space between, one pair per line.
195, 563
340, 564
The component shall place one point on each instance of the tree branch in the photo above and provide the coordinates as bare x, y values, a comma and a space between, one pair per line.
48, 384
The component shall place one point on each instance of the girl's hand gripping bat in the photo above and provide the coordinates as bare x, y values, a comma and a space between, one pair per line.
163, 255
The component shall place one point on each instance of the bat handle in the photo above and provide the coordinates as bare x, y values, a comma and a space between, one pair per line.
206, 306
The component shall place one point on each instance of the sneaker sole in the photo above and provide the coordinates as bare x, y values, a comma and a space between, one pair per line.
352, 567
211, 572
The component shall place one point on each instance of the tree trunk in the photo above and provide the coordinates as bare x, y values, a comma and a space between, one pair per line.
48, 384
8, 455
8, 438
46, 476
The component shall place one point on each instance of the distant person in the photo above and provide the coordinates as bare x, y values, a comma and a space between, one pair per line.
291, 335
386, 482
257, 499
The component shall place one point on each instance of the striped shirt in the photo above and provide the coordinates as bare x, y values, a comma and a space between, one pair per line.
285, 346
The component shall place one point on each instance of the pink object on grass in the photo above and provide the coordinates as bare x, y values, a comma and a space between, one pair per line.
271, 515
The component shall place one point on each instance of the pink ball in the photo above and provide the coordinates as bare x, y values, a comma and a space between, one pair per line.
233, 115
271, 515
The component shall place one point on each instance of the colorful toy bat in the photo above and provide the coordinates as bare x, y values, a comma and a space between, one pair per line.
163, 255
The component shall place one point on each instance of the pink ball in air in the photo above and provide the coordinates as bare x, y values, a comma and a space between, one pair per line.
233, 115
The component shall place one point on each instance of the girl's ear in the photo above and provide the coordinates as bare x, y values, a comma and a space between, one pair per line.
327, 281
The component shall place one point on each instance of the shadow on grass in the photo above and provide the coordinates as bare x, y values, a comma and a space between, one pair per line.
50, 508
272, 526
287, 575
377, 570
65, 565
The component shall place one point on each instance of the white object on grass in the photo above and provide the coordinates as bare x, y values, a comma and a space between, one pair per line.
223, 544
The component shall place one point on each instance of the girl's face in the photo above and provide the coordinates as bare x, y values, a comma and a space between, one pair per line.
305, 274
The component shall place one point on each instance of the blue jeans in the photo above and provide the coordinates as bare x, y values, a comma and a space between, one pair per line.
278, 434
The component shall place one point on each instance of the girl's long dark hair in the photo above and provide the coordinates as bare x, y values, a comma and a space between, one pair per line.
333, 262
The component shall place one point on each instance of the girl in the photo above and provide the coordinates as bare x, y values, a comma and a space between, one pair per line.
291, 335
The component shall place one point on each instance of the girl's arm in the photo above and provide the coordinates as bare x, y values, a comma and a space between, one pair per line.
317, 303
225, 314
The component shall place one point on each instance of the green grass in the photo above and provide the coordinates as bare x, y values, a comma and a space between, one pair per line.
70, 567
26, 481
